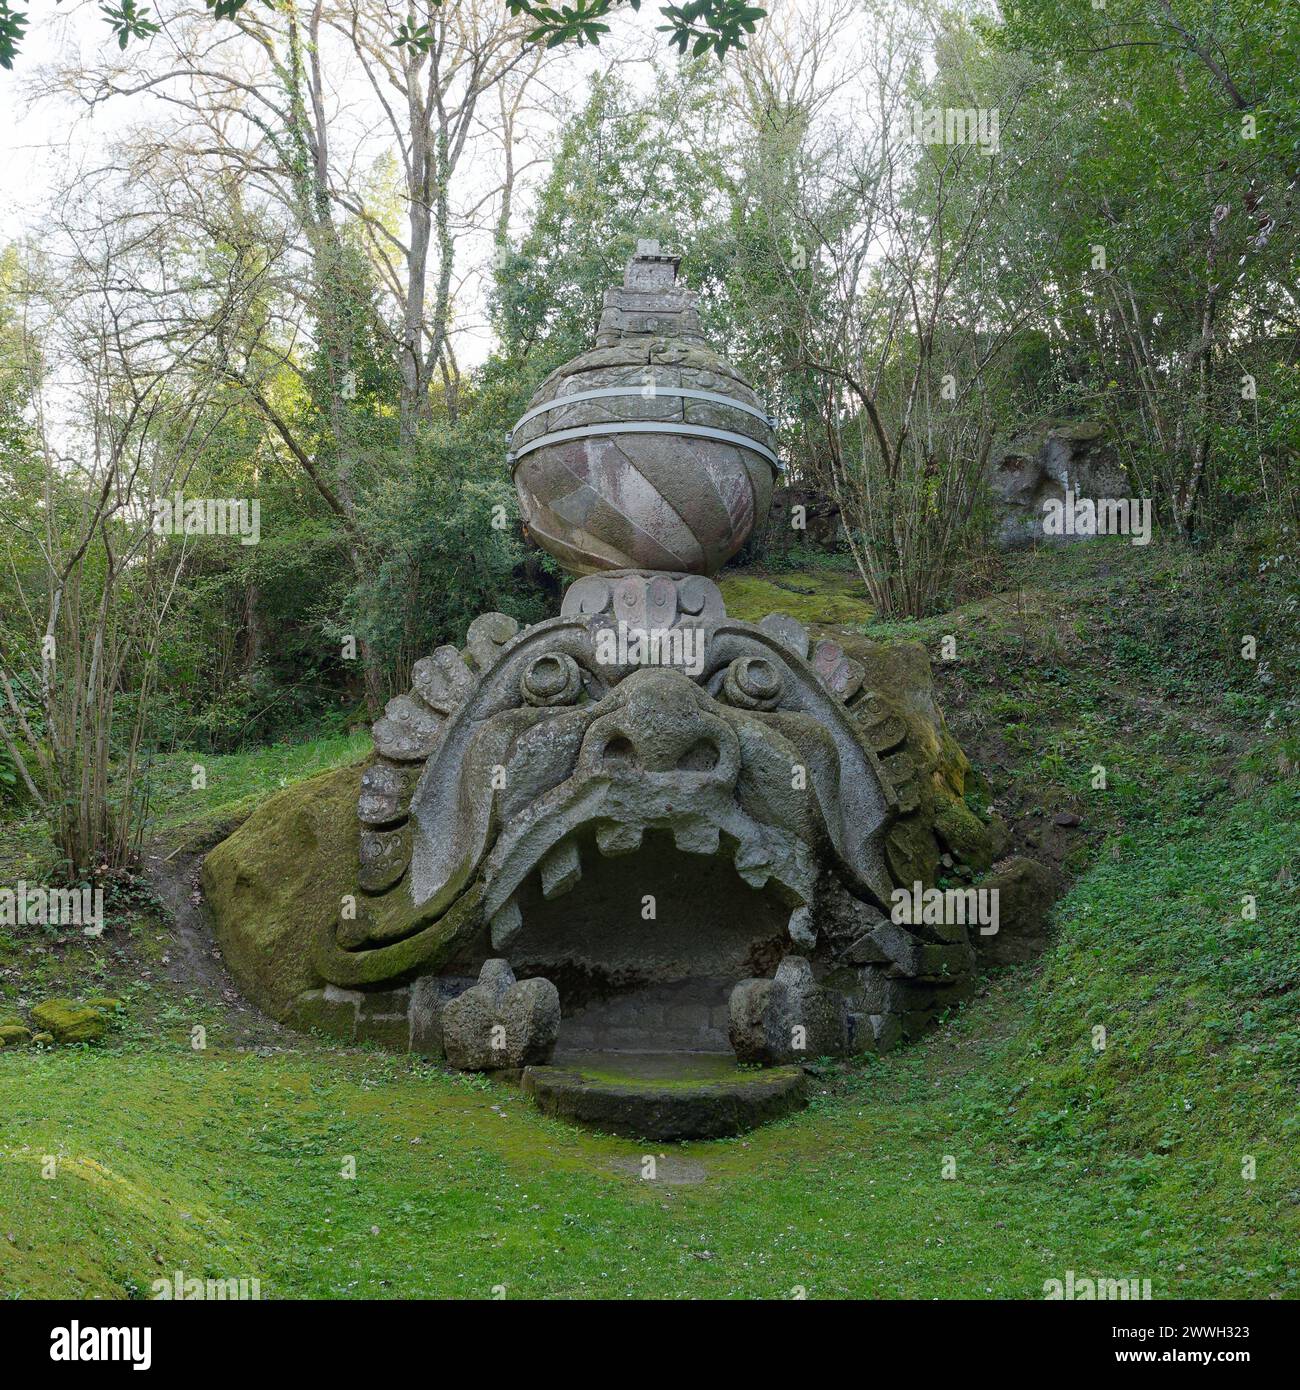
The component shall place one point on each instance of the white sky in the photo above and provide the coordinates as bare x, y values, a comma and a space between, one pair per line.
35, 139
44, 138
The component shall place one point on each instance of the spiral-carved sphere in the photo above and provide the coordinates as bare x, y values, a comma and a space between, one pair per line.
650, 451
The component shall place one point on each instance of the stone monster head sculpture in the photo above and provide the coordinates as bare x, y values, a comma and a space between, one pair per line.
640, 744
640, 791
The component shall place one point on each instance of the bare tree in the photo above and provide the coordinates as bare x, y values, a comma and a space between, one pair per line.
891, 295
291, 116
127, 415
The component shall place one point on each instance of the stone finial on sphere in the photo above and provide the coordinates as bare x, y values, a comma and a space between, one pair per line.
650, 451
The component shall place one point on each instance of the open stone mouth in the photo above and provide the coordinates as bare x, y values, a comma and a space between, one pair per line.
640, 825
645, 896
644, 929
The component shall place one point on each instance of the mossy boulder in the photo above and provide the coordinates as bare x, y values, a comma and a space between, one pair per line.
14, 1035
278, 881
70, 1022
106, 1004
43, 1039
1026, 891
962, 834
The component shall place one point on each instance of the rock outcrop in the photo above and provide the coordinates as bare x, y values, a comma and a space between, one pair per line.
501, 1024
789, 1018
1038, 466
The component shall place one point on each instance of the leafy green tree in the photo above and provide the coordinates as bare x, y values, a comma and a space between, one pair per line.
625, 167
1160, 150
698, 27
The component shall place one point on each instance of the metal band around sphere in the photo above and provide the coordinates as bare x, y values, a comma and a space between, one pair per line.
742, 441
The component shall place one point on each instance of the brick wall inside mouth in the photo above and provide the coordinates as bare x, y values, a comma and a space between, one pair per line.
682, 1016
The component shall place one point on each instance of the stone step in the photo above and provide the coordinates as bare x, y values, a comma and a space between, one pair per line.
664, 1098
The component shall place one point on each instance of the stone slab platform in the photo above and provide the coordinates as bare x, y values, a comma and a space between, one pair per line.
664, 1097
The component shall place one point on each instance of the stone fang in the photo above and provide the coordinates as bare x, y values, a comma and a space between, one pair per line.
561, 869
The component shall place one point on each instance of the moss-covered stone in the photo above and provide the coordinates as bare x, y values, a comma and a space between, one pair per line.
898, 686
70, 1022
419, 952
106, 1004
963, 834
278, 882
911, 852
667, 1111
14, 1035
811, 596
1026, 891
275, 888
331, 1011
43, 1039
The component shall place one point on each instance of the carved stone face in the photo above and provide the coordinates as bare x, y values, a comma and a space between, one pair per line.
611, 818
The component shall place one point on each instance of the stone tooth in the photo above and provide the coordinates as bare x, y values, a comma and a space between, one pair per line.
561, 869
506, 922
696, 838
614, 838
753, 865
801, 929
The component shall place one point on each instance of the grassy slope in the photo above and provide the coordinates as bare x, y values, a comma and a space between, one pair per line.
1125, 1161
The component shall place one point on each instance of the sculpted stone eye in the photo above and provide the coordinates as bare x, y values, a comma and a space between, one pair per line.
553, 679
753, 682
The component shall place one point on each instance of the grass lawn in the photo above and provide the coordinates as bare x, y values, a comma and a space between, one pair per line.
1013, 1145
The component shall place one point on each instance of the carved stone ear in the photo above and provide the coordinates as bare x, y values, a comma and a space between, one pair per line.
384, 858
442, 680
385, 794
406, 737
408, 731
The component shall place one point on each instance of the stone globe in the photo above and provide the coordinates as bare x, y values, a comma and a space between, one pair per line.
651, 451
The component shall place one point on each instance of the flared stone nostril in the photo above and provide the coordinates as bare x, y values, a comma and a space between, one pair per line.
701, 756
618, 752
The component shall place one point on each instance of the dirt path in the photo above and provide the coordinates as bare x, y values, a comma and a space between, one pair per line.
193, 963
